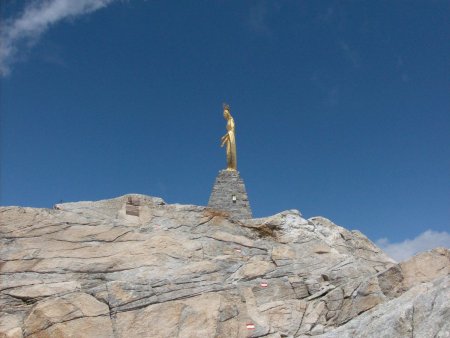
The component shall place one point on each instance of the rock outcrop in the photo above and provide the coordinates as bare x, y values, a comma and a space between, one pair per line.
135, 266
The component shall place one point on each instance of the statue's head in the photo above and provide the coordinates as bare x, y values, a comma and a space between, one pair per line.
226, 111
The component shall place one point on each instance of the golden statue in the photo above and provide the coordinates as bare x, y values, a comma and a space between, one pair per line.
229, 139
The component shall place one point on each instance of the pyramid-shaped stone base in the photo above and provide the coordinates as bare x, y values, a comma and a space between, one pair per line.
229, 195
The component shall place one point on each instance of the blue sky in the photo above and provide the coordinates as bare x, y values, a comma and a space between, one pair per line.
341, 108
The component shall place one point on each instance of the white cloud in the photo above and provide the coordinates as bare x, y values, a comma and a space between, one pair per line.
425, 241
36, 18
350, 53
258, 17
259, 14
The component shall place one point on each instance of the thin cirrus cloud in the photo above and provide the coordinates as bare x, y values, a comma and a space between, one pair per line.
350, 53
23, 31
425, 241
257, 18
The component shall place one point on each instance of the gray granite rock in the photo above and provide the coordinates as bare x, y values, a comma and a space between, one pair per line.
423, 311
95, 269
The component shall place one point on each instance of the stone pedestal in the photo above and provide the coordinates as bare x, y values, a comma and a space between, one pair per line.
229, 195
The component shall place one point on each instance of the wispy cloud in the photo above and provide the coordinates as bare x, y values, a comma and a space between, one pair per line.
350, 53
23, 31
259, 14
328, 14
401, 69
257, 18
332, 98
329, 89
425, 241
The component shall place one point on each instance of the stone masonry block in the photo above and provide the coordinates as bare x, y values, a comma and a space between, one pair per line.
229, 195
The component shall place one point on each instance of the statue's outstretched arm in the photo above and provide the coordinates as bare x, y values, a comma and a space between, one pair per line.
225, 138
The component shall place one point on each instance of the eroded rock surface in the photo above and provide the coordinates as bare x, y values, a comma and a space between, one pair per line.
134, 266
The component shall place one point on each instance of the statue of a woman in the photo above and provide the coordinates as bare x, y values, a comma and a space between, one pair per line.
229, 139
